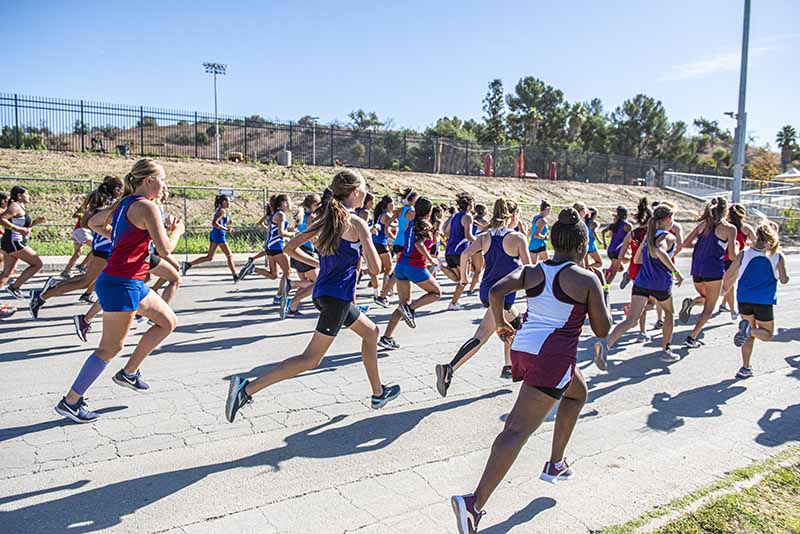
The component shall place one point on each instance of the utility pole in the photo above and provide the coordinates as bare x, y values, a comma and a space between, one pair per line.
741, 116
215, 69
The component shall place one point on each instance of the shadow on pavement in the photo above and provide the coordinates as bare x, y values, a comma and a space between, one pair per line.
779, 426
704, 401
329, 363
794, 362
534, 508
15, 432
101, 508
627, 373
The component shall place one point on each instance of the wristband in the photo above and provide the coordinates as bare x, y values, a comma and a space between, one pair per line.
676, 273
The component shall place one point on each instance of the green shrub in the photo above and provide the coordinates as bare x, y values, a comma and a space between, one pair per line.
211, 129
180, 139
147, 122
358, 152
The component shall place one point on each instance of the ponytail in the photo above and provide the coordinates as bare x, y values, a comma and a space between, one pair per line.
218, 200
659, 214
767, 234
643, 212
504, 210
422, 228
333, 217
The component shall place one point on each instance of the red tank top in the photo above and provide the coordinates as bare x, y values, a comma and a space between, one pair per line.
129, 245
637, 236
741, 239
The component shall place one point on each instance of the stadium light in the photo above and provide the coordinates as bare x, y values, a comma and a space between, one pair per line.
740, 135
215, 69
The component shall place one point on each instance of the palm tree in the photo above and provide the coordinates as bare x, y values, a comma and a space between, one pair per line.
787, 142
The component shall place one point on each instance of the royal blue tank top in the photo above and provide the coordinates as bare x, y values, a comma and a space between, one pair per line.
498, 264
758, 277
274, 239
402, 222
653, 274
338, 273
302, 227
216, 233
380, 238
537, 243
456, 241
617, 237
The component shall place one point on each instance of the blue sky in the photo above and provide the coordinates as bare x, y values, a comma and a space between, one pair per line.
412, 61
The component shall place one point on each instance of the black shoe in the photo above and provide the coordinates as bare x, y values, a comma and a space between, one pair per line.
235, 278
185, 266
388, 343
506, 372
14, 292
691, 342
382, 302
389, 393
237, 397
659, 325
444, 374
247, 270
88, 298
81, 326
133, 382
35, 302
79, 413
408, 315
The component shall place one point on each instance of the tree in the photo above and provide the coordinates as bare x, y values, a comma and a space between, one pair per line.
787, 142
593, 135
639, 127
721, 157
576, 116
537, 113
307, 121
362, 121
762, 167
79, 127
147, 122
494, 109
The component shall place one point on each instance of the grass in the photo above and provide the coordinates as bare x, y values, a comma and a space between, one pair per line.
768, 507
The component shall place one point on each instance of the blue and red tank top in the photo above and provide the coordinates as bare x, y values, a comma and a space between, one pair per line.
129, 245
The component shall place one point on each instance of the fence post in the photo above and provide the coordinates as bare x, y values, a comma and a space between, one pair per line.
186, 232
16, 120
333, 163
291, 136
494, 160
245, 139
466, 158
195, 135
405, 149
369, 149
83, 130
141, 137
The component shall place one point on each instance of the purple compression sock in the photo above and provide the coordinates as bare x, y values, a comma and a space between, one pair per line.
92, 368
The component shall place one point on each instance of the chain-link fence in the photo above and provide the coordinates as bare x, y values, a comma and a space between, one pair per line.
80, 125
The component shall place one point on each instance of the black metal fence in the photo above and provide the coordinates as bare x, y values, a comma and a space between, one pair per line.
81, 125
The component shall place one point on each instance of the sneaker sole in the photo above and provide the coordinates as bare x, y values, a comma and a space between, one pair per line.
77, 322
441, 385
598, 357
384, 402
232, 387
555, 479
460, 510
125, 384
407, 318
72, 417
686, 311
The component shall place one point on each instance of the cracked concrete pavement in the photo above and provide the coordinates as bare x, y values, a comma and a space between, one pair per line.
311, 456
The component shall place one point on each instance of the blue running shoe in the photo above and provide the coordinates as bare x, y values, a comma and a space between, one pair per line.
741, 335
237, 397
133, 381
389, 393
79, 413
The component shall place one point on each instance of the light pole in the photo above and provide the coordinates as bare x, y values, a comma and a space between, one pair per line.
314, 140
215, 69
741, 117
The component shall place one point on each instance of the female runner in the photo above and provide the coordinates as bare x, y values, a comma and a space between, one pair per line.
218, 237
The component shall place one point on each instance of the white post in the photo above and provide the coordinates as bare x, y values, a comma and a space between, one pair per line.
741, 117
314, 143
216, 117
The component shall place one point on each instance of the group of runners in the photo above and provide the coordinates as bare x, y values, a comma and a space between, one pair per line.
344, 235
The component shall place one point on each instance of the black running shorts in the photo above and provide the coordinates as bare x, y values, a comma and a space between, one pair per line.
702, 279
762, 312
334, 314
397, 249
659, 295
381, 248
453, 260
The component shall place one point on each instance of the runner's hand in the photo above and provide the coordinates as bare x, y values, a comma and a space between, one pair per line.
505, 331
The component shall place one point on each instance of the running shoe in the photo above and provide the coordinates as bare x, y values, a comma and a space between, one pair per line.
88, 298
276, 299
742, 333
284, 305
601, 354
382, 302
50, 282
185, 266
691, 342
626, 278
248, 269
14, 292
505, 372
723, 308
467, 517
408, 315
644, 337
6, 312
237, 397
133, 381
744, 372
444, 374
659, 325
294, 313
389, 393
454, 306
288, 286
734, 316
81, 327
558, 472
80, 269
668, 356
235, 278
363, 308
388, 343
35, 303
79, 413
686, 310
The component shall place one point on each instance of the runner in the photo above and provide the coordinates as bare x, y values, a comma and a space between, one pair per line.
135, 221
80, 236
653, 280
14, 243
714, 237
677, 231
758, 270
618, 230
6, 311
99, 199
593, 258
436, 223
744, 234
539, 227
459, 232
505, 250
382, 232
277, 232
479, 225
560, 296
218, 237
307, 273
412, 263
632, 241
340, 235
